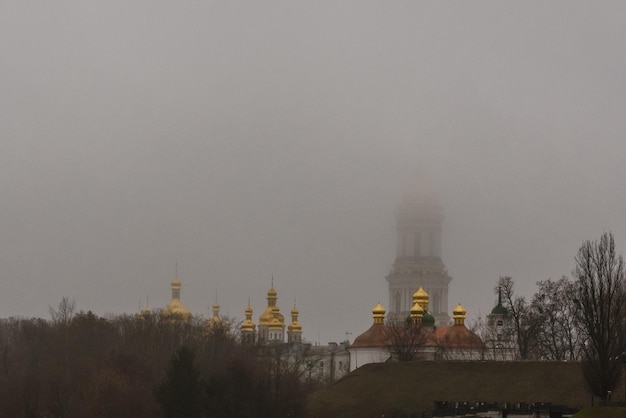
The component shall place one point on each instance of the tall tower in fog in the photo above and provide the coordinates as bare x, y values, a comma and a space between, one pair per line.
418, 257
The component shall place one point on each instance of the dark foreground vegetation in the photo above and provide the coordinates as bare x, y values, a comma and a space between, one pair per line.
82, 365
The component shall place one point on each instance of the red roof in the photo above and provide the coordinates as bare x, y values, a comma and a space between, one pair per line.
455, 336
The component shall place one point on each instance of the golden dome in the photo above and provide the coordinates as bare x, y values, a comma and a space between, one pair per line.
175, 307
215, 320
278, 320
267, 316
417, 309
459, 315
420, 294
295, 325
378, 313
459, 310
421, 297
417, 313
248, 326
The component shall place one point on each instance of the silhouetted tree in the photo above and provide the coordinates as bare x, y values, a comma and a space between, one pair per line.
404, 338
525, 321
601, 309
558, 336
180, 393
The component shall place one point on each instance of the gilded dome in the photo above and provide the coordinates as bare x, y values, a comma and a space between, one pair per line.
175, 307
420, 294
378, 313
459, 315
416, 309
248, 326
459, 311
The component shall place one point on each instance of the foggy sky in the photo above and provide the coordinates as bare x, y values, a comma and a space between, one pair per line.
242, 141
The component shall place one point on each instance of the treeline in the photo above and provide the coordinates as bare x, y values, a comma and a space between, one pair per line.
583, 318
83, 365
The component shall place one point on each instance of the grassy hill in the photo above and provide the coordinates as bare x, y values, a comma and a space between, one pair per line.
411, 388
601, 412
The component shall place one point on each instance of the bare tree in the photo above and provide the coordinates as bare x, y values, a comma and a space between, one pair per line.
64, 312
405, 338
525, 321
602, 305
557, 329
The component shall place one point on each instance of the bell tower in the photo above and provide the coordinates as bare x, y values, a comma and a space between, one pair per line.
418, 257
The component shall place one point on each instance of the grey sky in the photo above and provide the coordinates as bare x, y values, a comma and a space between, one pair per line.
245, 140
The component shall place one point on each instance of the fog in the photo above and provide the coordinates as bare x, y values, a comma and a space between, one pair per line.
244, 141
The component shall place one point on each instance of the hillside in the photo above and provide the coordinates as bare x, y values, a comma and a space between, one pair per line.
411, 388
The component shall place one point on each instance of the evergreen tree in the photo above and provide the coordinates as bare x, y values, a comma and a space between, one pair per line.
180, 393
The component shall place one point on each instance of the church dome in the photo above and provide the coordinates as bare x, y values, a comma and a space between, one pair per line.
420, 295
378, 313
375, 336
458, 337
459, 315
417, 309
428, 320
175, 307
459, 311
499, 310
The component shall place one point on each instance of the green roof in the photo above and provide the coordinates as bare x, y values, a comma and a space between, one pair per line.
499, 310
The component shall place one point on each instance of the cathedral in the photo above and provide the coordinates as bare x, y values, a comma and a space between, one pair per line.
418, 295
271, 327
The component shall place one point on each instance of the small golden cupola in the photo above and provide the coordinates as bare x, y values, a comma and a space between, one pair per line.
175, 307
216, 311
421, 297
378, 313
416, 313
294, 331
459, 315
248, 328
267, 316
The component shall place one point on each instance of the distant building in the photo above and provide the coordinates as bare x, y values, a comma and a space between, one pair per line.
418, 260
271, 328
499, 336
431, 342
